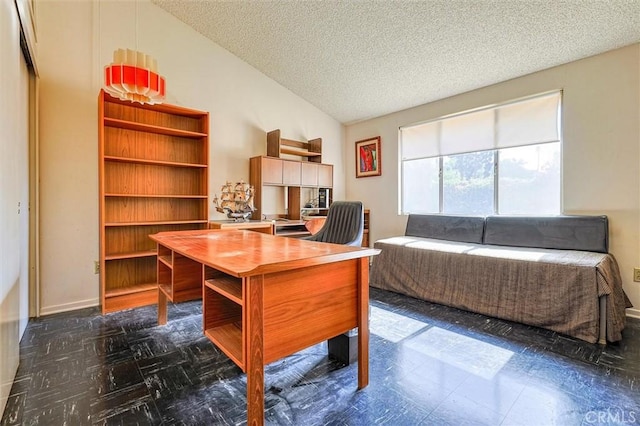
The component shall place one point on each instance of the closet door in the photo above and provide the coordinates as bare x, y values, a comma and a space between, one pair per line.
14, 196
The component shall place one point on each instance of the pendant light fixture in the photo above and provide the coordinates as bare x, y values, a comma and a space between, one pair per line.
133, 75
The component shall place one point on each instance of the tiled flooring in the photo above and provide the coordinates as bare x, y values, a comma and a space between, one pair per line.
429, 364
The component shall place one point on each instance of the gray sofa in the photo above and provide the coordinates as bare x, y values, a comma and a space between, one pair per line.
550, 272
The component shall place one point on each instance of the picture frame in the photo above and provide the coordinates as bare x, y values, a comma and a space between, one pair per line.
368, 157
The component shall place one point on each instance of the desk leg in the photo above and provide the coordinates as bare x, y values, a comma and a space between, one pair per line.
254, 307
363, 322
162, 307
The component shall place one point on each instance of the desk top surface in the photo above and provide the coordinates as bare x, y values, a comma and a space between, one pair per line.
245, 253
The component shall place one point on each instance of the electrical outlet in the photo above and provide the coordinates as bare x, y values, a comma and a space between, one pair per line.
636, 274
96, 267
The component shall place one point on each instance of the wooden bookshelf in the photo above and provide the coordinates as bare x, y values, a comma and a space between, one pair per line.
153, 176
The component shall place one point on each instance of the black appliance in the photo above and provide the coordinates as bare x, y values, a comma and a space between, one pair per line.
323, 198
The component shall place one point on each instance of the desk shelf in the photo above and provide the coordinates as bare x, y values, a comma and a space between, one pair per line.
166, 260
229, 287
228, 338
222, 310
179, 277
165, 288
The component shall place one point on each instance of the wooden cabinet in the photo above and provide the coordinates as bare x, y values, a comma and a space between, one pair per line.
294, 175
325, 175
314, 174
271, 171
291, 172
153, 177
302, 179
280, 172
309, 174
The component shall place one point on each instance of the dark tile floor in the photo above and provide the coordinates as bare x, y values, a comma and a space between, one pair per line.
429, 365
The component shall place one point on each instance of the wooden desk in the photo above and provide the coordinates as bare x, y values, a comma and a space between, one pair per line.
266, 297
253, 225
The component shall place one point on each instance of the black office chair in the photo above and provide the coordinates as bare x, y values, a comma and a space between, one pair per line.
344, 224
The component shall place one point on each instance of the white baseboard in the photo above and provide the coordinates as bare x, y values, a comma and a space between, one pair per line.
633, 313
89, 303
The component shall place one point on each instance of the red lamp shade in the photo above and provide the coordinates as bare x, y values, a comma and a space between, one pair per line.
133, 77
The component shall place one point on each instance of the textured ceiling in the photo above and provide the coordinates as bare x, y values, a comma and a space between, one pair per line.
361, 59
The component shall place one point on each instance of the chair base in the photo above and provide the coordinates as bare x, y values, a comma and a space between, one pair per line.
344, 347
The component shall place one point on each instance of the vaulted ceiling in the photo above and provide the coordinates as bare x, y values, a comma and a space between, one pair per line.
356, 60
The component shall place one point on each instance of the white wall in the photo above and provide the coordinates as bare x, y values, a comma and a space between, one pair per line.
601, 148
76, 40
14, 196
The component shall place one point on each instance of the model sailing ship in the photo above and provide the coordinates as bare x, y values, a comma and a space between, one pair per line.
236, 201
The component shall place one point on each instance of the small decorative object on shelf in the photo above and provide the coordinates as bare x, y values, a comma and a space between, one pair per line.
236, 201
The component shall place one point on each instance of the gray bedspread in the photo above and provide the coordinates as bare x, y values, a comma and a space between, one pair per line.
553, 289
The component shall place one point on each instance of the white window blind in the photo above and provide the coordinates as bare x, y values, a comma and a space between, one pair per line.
468, 133
525, 122
421, 141
528, 122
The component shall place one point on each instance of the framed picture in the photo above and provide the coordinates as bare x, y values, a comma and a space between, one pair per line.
368, 157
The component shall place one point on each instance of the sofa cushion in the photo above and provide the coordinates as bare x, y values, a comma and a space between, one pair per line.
466, 229
586, 233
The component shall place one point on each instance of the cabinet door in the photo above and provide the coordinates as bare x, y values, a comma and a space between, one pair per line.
271, 171
291, 172
325, 175
309, 174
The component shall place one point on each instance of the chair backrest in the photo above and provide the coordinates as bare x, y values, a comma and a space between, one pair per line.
344, 224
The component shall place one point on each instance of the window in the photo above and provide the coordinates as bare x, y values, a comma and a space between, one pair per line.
497, 160
467, 183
